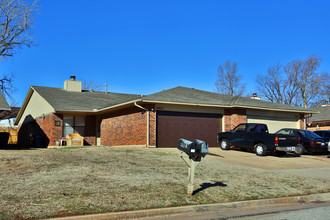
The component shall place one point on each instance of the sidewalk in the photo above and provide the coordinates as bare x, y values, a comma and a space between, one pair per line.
211, 208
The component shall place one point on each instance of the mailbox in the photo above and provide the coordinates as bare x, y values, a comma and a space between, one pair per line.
185, 146
195, 149
201, 146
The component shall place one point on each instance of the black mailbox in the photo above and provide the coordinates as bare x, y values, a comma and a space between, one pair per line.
201, 146
185, 145
195, 149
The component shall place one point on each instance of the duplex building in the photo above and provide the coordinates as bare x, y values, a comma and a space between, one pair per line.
159, 119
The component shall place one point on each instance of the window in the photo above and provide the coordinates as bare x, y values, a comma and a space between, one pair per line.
261, 128
285, 131
240, 128
74, 124
310, 134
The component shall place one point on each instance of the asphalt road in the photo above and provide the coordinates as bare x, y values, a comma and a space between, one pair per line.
321, 212
315, 211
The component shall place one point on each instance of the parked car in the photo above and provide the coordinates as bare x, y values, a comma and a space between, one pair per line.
256, 137
325, 135
310, 141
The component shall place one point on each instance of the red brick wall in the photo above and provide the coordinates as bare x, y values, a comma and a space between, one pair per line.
152, 128
47, 125
233, 117
301, 121
127, 127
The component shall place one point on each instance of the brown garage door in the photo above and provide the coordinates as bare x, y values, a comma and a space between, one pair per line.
171, 126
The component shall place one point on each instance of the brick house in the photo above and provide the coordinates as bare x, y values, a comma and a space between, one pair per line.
159, 119
320, 121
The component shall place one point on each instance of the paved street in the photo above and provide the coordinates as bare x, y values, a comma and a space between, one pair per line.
320, 211
315, 211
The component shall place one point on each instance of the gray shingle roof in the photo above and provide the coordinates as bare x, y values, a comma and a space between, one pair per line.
323, 116
189, 96
3, 103
195, 96
62, 100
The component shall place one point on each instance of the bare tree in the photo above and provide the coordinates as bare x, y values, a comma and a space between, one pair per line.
6, 85
229, 81
323, 96
297, 83
91, 85
310, 81
16, 19
290, 87
270, 85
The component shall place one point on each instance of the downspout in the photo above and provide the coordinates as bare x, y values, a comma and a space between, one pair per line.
148, 121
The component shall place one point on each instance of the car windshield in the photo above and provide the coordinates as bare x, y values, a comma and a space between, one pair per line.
310, 134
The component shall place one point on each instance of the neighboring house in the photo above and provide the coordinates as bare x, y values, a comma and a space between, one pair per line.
3, 104
4, 135
8, 117
7, 120
159, 119
320, 121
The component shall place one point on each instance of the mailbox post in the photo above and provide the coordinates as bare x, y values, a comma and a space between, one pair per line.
195, 151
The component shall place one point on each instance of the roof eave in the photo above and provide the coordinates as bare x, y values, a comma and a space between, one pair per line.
25, 102
183, 103
99, 110
232, 106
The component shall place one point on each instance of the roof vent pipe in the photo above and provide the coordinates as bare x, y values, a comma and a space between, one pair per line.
106, 88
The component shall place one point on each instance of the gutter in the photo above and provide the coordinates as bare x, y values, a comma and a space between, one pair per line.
148, 121
233, 106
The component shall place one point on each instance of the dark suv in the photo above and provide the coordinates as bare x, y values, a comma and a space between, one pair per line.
325, 135
311, 142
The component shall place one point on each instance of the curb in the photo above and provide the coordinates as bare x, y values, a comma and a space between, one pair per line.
219, 207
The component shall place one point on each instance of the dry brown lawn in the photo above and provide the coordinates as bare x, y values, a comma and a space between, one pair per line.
41, 183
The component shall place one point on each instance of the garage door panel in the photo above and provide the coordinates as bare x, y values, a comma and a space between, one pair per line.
188, 126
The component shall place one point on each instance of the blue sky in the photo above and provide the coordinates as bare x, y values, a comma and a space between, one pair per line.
142, 46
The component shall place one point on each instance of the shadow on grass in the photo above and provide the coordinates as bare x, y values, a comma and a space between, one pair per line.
205, 186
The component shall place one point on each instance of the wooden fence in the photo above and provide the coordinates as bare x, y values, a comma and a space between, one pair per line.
13, 134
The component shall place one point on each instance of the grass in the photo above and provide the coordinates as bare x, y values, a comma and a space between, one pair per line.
57, 182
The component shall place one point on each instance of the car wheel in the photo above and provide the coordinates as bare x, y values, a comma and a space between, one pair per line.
224, 144
261, 150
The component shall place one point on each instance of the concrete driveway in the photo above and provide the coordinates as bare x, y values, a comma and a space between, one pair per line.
312, 166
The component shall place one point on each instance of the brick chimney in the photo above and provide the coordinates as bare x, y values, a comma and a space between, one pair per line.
72, 85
